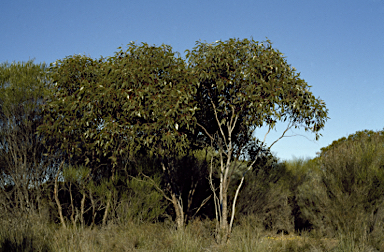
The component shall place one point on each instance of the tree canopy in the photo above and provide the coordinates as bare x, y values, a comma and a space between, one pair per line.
252, 83
138, 100
243, 85
148, 97
114, 106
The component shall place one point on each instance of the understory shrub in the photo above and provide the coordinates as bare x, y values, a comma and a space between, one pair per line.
345, 195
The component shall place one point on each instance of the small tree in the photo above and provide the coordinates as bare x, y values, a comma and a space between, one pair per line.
243, 85
23, 168
70, 123
139, 99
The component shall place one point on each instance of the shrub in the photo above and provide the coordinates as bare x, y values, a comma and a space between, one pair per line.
346, 195
266, 195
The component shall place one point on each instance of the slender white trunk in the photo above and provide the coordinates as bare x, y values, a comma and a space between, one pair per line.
56, 193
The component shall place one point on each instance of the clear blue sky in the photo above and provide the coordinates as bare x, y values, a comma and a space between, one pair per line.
338, 46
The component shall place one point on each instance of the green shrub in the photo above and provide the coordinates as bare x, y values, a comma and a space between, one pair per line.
266, 196
141, 202
346, 195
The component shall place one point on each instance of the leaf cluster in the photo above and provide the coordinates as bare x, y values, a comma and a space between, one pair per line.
253, 82
139, 98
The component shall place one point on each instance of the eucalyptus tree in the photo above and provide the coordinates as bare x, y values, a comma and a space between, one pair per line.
243, 85
154, 90
68, 110
140, 98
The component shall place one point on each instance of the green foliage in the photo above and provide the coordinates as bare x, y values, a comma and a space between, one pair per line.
141, 202
67, 113
22, 84
252, 82
146, 99
23, 88
346, 196
116, 118
266, 195
299, 167
139, 98
243, 85
77, 175
297, 173
353, 137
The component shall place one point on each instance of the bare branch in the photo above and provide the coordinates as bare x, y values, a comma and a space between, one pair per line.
312, 140
209, 135
215, 199
191, 193
202, 204
265, 137
285, 131
153, 183
234, 203
234, 123
218, 122
227, 178
221, 149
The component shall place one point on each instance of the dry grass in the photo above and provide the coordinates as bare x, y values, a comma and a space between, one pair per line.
197, 236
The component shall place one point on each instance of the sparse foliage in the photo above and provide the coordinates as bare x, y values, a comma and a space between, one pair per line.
23, 166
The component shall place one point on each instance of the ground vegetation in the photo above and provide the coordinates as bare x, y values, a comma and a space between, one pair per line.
151, 147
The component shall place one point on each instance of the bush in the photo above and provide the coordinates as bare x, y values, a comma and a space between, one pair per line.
141, 202
266, 196
346, 196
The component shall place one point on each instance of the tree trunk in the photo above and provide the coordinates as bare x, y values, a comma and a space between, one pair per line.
179, 212
72, 206
82, 209
106, 211
56, 193
177, 201
93, 207
109, 199
223, 233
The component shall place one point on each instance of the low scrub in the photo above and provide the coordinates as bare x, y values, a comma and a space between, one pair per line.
197, 236
345, 194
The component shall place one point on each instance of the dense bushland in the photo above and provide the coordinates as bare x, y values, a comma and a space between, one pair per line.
80, 167
320, 203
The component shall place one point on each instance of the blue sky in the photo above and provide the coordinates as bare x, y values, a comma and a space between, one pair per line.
337, 46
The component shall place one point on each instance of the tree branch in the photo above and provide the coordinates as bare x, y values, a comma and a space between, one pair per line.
153, 183
218, 122
285, 131
215, 199
57, 196
209, 135
202, 204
